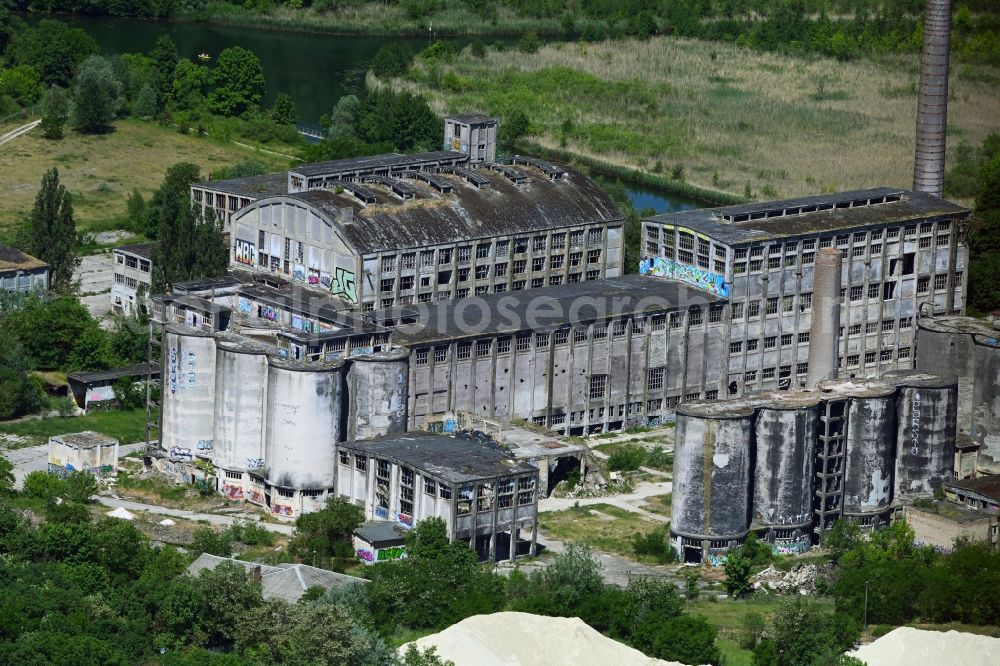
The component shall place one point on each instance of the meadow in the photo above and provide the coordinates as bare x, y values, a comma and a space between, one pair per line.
712, 115
100, 171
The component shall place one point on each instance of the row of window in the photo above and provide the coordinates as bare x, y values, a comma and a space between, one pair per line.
130, 282
580, 334
133, 262
499, 249
769, 342
482, 272
772, 305
482, 290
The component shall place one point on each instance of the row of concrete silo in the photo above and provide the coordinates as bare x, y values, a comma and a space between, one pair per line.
787, 464
269, 425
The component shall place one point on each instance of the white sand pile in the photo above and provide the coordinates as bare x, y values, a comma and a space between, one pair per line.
123, 513
906, 646
523, 639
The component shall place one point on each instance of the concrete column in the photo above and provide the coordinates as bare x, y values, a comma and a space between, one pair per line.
825, 317
932, 102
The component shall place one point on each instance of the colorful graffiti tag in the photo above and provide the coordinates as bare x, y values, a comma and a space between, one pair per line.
205, 444
394, 553
365, 555
180, 453
405, 519
255, 496
344, 286
255, 463
245, 252
232, 492
381, 512
282, 510
698, 277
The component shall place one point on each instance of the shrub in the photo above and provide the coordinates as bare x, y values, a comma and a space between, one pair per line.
627, 458
42, 485
655, 544
213, 542
251, 533
530, 43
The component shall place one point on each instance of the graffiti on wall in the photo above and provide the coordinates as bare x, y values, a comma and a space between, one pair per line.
299, 272
255, 496
790, 547
205, 444
698, 277
181, 453
282, 510
365, 555
394, 553
344, 286
245, 305
245, 252
717, 560
255, 463
269, 313
381, 512
232, 492
405, 519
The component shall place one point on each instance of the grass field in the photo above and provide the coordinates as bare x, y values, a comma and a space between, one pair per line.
101, 171
602, 526
729, 116
128, 426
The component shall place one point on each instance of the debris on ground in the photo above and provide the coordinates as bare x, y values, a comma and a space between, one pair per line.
800, 578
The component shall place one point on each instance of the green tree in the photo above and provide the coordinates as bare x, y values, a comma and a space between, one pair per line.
58, 334
53, 49
239, 81
324, 537
51, 233
391, 60
283, 112
97, 97
802, 632
429, 657
145, 105
738, 569
984, 241
6, 477
229, 592
164, 60
20, 393
343, 118
42, 485
55, 112
20, 84
191, 82
80, 486
135, 211
513, 127
212, 541
689, 639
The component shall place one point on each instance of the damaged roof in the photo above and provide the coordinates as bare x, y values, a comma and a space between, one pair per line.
463, 214
457, 459
808, 216
285, 581
255, 187
12, 259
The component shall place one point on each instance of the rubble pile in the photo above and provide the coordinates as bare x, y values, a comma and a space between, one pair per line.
800, 578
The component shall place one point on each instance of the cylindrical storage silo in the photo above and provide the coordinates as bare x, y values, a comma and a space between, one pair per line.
303, 424
240, 385
710, 507
378, 386
870, 437
926, 427
187, 392
785, 439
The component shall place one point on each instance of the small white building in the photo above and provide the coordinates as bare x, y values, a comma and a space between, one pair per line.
379, 541
83, 452
132, 268
485, 496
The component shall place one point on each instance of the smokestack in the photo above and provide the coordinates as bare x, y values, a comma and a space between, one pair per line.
823, 344
932, 102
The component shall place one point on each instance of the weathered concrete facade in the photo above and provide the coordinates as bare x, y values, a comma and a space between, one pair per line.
817, 456
902, 252
484, 497
969, 349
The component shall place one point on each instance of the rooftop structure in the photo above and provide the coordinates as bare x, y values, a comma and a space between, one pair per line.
83, 452
21, 272
284, 581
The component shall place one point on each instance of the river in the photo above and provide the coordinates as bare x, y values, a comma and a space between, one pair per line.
316, 70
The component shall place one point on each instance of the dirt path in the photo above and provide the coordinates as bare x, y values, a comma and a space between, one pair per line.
212, 518
18, 131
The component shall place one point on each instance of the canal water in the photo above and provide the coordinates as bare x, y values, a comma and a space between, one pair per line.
316, 70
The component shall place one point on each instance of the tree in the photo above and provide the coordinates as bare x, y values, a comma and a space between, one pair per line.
53, 49
145, 105
52, 232
55, 112
20, 393
80, 486
738, 569
97, 97
229, 592
20, 84
984, 263
58, 334
6, 477
513, 128
391, 60
190, 83
324, 537
239, 81
164, 59
283, 112
42, 485
689, 639
803, 633
135, 211
212, 541
343, 118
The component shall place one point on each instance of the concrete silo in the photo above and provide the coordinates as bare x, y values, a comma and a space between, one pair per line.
187, 422
870, 462
303, 425
711, 506
378, 385
926, 412
785, 433
240, 385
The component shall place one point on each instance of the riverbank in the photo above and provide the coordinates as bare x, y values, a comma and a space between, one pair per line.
715, 117
378, 20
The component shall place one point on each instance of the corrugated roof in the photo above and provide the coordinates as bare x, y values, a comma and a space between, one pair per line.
135, 370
